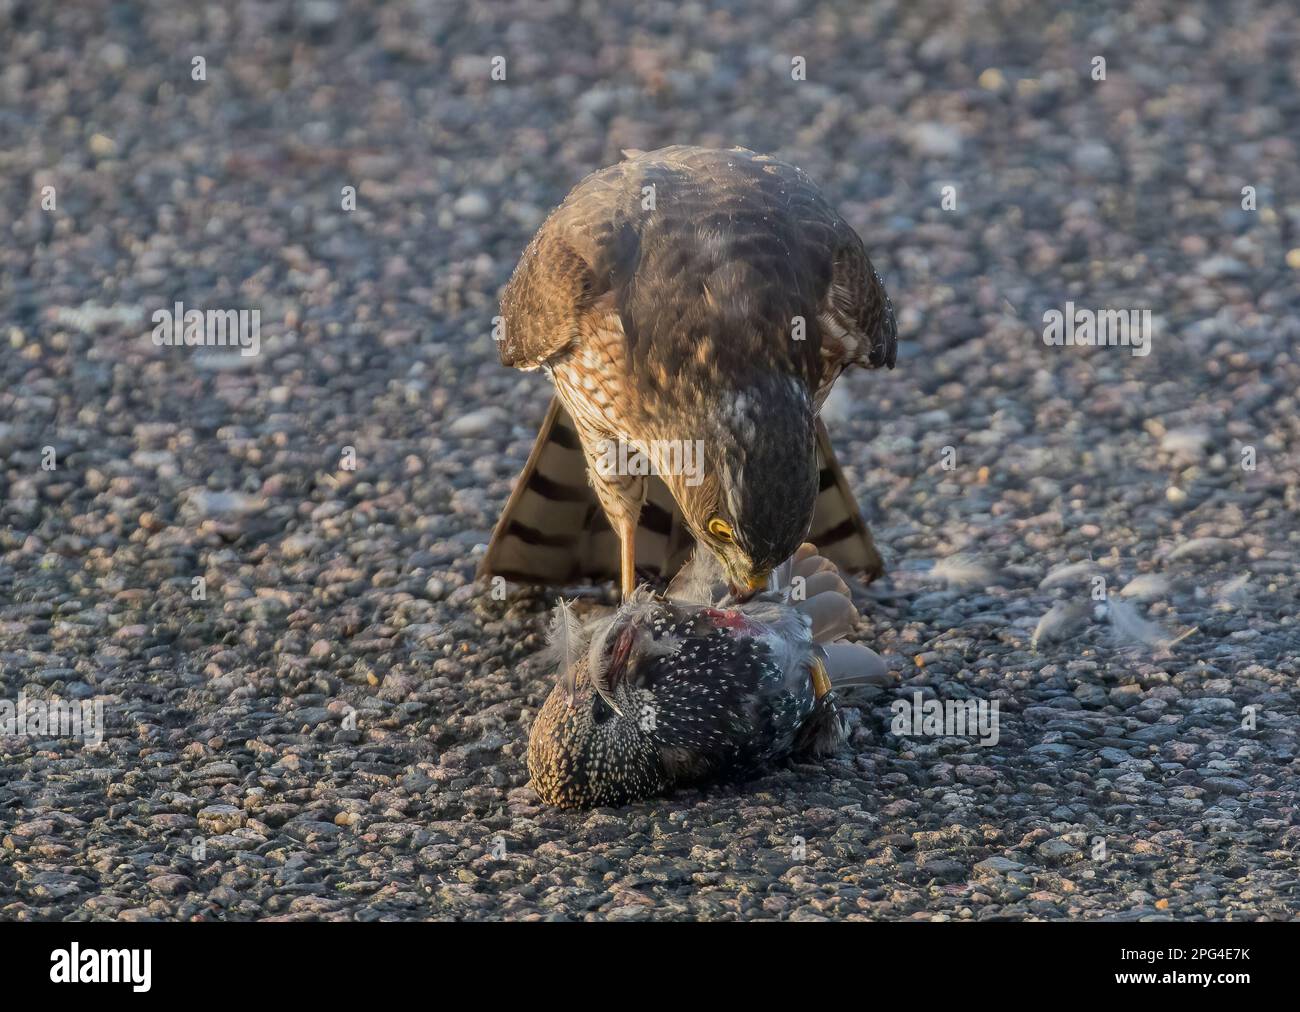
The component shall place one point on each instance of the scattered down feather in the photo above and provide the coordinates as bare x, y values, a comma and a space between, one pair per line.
1131, 628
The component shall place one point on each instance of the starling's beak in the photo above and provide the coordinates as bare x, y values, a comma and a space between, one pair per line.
821, 681
604, 684
755, 583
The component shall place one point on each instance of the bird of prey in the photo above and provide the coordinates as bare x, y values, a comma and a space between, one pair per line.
694, 688
688, 300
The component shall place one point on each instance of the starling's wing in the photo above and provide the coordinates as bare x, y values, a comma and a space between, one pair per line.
838, 530
553, 530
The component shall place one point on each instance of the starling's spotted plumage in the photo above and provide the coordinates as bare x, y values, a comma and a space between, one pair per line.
691, 295
668, 692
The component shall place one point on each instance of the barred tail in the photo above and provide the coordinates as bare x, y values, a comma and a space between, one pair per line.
838, 530
553, 530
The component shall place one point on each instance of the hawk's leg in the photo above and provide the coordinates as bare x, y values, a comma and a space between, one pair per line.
622, 496
627, 555
622, 499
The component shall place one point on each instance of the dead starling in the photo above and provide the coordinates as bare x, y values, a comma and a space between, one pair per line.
695, 688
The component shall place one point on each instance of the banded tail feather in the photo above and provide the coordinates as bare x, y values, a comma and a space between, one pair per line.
553, 530
838, 530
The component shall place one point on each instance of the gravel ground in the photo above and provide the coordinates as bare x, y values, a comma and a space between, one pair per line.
338, 729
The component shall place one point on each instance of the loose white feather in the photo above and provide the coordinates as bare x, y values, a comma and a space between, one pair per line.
958, 572
1063, 620
1146, 587
1131, 627
1234, 591
1202, 548
566, 641
1071, 572
700, 581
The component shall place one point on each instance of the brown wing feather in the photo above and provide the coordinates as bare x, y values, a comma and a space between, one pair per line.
709, 274
858, 308
563, 271
542, 305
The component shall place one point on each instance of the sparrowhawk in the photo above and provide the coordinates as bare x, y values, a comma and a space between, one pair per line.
688, 299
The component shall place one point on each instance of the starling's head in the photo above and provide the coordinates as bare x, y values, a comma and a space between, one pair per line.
591, 743
753, 503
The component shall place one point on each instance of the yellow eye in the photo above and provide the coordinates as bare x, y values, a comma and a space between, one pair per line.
720, 529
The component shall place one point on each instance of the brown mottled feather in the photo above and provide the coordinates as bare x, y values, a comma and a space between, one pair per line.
752, 232
647, 316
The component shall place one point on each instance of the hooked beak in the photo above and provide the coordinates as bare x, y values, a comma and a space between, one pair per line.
755, 583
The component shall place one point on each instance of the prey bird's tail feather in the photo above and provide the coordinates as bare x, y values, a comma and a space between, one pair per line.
850, 664
826, 602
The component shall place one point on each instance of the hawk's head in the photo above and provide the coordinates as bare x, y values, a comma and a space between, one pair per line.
752, 503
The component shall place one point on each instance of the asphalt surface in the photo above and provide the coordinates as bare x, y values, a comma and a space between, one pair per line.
337, 729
